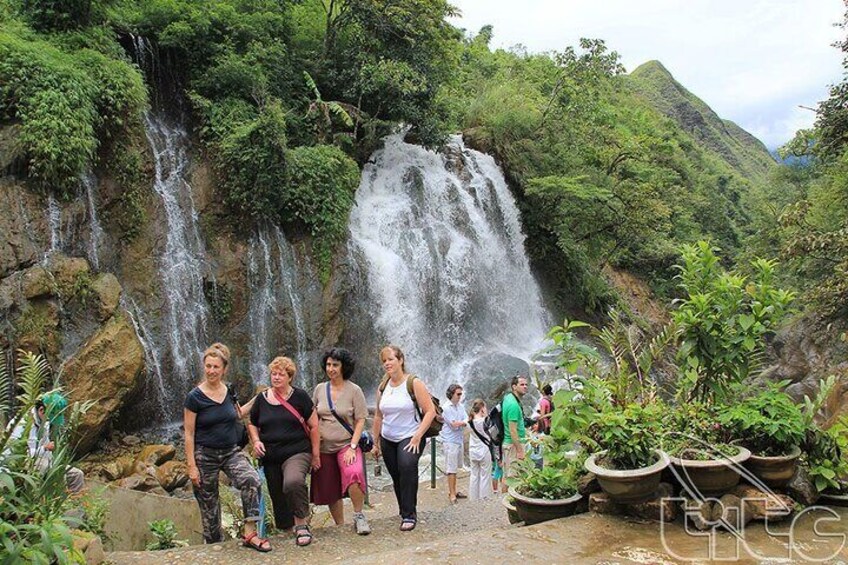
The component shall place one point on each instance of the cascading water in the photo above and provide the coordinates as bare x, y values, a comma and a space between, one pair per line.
182, 263
96, 234
272, 276
54, 220
155, 386
439, 241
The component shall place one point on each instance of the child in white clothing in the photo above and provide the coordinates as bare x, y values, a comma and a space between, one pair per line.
479, 452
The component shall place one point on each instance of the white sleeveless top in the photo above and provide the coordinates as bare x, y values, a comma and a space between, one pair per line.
400, 420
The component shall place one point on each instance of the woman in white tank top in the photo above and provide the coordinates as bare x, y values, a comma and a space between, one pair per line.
401, 431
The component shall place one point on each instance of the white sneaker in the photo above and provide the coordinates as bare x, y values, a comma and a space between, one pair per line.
360, 523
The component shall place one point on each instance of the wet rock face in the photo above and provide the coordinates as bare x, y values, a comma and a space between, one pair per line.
105, 370
21, 242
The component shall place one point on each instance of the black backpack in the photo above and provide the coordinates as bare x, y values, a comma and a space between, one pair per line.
494, 425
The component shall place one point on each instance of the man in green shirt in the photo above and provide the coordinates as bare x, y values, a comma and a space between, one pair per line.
513, 419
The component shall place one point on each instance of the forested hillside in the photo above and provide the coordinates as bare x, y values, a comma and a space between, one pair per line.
288, 98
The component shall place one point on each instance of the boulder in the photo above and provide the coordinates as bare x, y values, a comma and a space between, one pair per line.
157, 454
730, 509
36, 281
801, 487
661, 508
144, 482
66, 272
105, 370
118, 469
107, 289
762, 505
588, 484
90, 546
699, 513
131, 440
172, 475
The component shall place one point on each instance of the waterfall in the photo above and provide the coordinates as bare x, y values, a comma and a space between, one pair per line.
155, 387
272, 275
438, 239
182, 263
96, 234
54, 220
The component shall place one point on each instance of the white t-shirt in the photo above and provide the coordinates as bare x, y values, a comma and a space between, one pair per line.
477, 450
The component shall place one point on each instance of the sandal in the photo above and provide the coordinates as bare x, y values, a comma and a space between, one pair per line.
264, 546
408, 524
302, 535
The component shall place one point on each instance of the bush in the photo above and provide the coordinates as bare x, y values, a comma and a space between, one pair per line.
164, 535
319, 194
32, 501
769, 423
63, 101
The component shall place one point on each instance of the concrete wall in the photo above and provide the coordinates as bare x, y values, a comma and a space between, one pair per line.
131, 510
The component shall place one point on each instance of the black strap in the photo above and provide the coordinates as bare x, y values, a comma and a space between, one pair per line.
333, 410
487, 442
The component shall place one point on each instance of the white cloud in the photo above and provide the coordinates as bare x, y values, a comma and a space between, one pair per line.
753, 62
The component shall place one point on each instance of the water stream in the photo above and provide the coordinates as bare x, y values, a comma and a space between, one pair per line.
438, 238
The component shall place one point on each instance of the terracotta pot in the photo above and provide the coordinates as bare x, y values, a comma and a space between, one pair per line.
632, 485
712, 477
775, 472
833, 499
535, 510
511, 512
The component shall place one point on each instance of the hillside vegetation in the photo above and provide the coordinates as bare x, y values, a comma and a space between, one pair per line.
609, 169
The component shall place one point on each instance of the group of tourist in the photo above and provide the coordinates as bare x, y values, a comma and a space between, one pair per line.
487, 458
294, 434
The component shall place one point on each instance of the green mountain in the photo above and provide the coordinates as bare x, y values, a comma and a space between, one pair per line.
738, 148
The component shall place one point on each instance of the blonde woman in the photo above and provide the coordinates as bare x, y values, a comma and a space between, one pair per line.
284, 433
400, 429
211, 441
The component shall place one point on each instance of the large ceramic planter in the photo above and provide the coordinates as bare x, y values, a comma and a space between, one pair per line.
775, 472
833, 499
511, 512
535, 510
630, 486
713, 477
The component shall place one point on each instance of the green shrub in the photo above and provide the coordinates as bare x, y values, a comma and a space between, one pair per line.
724, 319
628, 435
321, 184
63, 101
164, 535
768, 423
32, 503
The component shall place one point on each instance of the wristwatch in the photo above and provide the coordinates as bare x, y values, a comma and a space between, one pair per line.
353, 447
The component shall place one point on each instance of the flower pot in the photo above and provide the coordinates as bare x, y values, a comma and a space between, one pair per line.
712, 477
833, 499
535, 510
628, 486
511, 512
775, 472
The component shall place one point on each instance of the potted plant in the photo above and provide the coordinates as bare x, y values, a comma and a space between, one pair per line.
625, 460
701, 460
825, 447
547, 493
771, 425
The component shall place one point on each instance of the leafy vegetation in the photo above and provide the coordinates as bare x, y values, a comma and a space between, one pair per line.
723, 320
768, 423
32, 498
164, 534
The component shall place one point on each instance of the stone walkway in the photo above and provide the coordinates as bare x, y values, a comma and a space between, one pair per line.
478, 532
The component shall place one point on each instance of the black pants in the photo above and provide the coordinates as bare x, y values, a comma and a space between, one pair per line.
403, 468
287, 488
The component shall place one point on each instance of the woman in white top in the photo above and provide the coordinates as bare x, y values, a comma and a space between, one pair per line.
479, 452
400, 429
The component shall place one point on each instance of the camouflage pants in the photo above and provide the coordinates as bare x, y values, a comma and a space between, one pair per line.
243, 476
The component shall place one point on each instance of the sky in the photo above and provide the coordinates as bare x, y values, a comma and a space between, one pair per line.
756, 62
